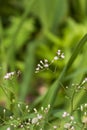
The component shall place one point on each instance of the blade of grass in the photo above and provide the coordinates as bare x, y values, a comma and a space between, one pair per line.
28, 72
25, 87
75, 74
53, 90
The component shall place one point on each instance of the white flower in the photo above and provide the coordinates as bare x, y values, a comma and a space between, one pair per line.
67, 125
26, 106
45, 60
85, 105
55, 127
11, 117
48, 106
41, 62
15, 126
37, 69
56, 58
21, 126
84, 81
84, 120
59, 52
65, 114
4, 110
72, 128
8, 128
19, 105
71, 117
46, 65
42, 108
8, 75
62, 56
35, 110
34, 120
39, 116
85, 113
81, 108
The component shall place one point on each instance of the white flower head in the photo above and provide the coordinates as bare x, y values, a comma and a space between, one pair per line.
8, 128
71, 117
4, 110
67, 125
34, 120
59, 52
62, 56
56, 58
39, 116
35, 110
55, 127
46, 65
81, 107
85, 105
65, 114
9, 75
84, 119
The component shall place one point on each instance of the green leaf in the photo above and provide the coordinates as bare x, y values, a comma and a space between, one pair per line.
28, 72
51, 13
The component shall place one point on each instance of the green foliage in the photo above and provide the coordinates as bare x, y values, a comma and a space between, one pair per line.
31, 31
52, 92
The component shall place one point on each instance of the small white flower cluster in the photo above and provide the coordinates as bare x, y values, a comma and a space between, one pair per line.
8, 128
42, 65
83, 109
84, 120
81, 85
60, 54
40, 116
78, 87
34, 121
69, 125
84, 81
45, 110
9, 75
45, 64
65, 114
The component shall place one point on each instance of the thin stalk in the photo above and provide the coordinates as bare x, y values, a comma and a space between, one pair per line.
72, 101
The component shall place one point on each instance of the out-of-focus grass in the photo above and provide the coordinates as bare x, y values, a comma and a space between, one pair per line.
43, 28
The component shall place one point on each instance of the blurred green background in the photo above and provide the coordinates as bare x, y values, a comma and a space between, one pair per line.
33, 30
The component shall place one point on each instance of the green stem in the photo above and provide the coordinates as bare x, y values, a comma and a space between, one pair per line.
72, 101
